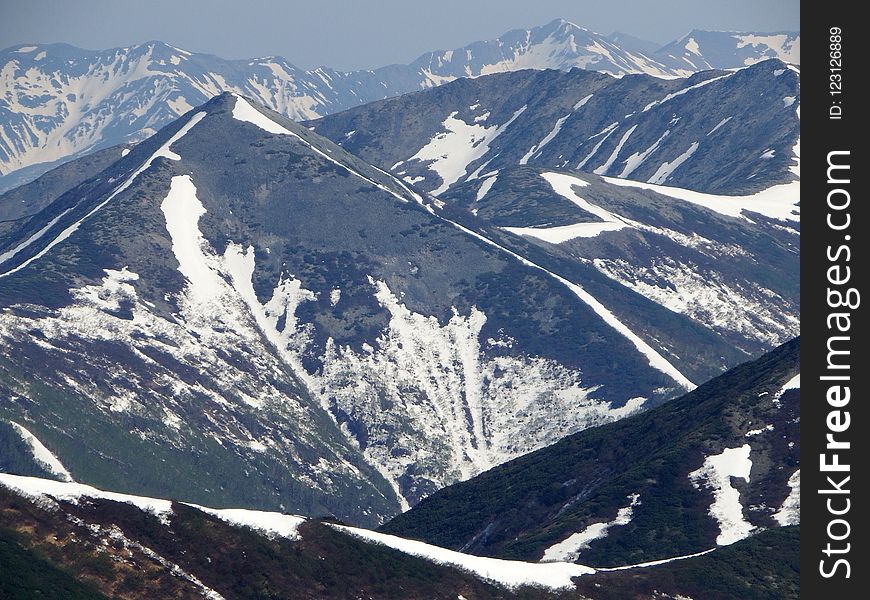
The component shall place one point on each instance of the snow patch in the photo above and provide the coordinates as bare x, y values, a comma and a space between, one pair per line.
569, 549
449, 153
716, 474
754, 432
666, 169
484, 188
790, 511
42, 455
270, 523
792, 384
334, 297
582, 102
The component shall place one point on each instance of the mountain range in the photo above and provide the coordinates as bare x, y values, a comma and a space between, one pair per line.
517, 320
289, 303
58, 101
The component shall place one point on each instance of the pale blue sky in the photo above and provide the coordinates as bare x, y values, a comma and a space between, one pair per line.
358, 34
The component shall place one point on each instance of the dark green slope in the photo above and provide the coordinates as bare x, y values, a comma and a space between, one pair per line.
763, 567
98, 548
523, 507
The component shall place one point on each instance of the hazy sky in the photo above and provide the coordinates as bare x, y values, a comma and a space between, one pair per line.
362, 34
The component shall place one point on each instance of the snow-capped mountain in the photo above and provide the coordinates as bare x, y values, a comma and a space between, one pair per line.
58, 101
716, 466
723, 132
240, 311
612, 173
698, 49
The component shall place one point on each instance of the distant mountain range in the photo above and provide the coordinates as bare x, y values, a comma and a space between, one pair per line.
58, 102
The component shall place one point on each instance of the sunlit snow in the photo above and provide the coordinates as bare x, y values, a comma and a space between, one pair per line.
715, 474
42, 455
570, 549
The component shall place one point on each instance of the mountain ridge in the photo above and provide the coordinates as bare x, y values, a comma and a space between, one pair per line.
44, 120
267, 256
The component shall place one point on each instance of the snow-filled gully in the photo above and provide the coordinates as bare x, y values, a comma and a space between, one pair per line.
165, 151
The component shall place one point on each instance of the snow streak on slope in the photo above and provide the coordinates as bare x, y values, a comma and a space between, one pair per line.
655, 563
564, 186
42, 455
270, 523
484, 188
615, 154
666, 169
182, 210
569, 549
716, 474
449, 153
683, 91
779, 202
73, 492
164, 151
509, 573
549, 137
790, 511
606, 133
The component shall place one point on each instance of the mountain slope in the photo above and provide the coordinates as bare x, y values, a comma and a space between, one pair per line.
765, 566
253, 301
731, 264
30, 198
707, 469
58, 101
716, 132
86, 541
699, 49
